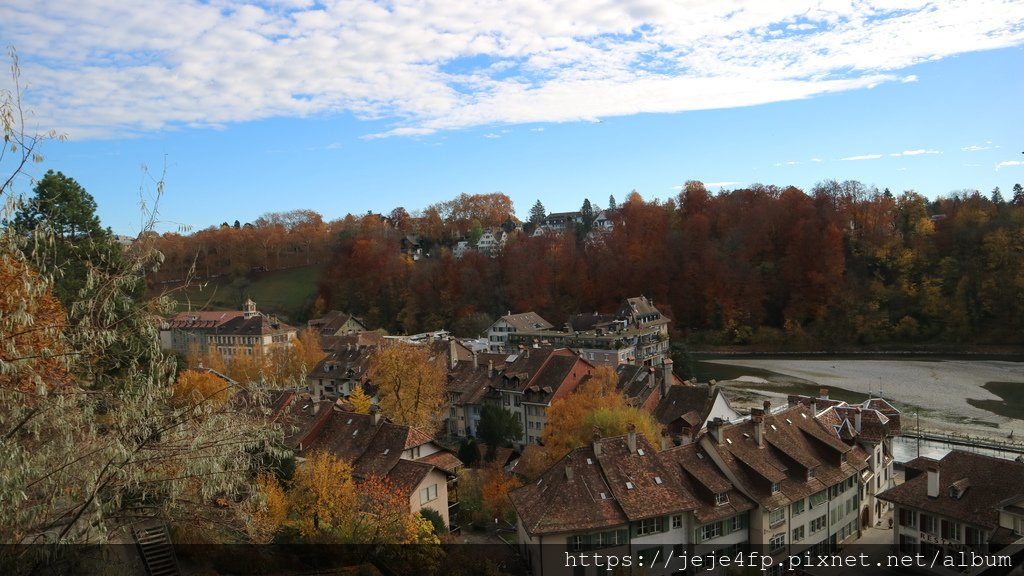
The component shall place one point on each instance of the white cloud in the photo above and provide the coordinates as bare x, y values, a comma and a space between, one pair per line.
816, 160
917, 152
863, 157
541, 129
440, 64
722, 184
492, 136
1006, 163
977, 148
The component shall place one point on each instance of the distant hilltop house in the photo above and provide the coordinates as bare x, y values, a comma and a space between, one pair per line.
635, 334
232, 333
336, 323
490, 243
964, 504
561, 222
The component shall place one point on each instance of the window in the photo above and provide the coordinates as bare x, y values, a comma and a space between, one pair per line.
677, 521
796, 508
908, 518
650, 526
709, 531
798, 533
518, 400
776, 487
929, 524
818, 499
415, 452
950, 530
777, 543
818, 524
575, 543
721, 498
736, 523
428, 494
776, 517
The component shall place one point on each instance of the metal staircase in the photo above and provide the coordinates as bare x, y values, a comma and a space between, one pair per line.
154, 543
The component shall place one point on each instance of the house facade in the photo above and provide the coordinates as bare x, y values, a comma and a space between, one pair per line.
498, 334
963, 503
233, 334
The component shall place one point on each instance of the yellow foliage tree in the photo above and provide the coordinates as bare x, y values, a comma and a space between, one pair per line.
360, 400
308, 341
265, 521
197, 386
595, 405
31, 320
410, 384
494, 492
322, 496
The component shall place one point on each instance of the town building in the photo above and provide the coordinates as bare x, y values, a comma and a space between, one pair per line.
620, 497
803, 480
964, 503
336, 323
499, 332
686, 409
870, 425
232, 333
418, 467
636, 334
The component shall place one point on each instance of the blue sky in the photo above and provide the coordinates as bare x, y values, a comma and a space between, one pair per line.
355, 106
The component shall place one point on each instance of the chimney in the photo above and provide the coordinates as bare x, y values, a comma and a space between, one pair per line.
596, 437
316, 405
375, 415
933, 480
715, 430
711, 388
823, 393
631, 438
665, 444
767, 407
568, 472
453, 355
856, 420
666, 377
490, 368
814, 407
475, 361
757, 417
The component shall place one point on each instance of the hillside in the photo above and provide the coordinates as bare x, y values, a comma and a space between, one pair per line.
288, 293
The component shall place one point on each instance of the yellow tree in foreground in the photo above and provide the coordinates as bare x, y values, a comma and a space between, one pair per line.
596, 405
360, 400
325, 504
410, 384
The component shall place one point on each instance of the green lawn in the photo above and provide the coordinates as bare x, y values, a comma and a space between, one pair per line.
287, 293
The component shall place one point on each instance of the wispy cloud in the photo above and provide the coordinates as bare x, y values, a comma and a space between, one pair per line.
1006, 163
492, 136
816, 160
720, 184
435, 65
978, 148
917, 152
863, 157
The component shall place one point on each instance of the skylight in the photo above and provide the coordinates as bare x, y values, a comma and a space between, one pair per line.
589, 461
640, 451
629, 485
657, 479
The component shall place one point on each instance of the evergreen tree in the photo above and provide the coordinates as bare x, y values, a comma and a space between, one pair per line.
63, 208
997, 196
537, 213
1018, 195
611, 203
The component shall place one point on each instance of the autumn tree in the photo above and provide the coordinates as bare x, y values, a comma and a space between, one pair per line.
360, 400
410, 382
596, 405
197, 386
108, 448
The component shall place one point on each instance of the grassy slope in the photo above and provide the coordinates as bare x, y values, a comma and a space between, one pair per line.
282, 292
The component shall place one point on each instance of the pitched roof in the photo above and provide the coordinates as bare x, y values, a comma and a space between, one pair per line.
990, 482
792, 444
258, 325
329, 324
202, 320
684, 398
527, 321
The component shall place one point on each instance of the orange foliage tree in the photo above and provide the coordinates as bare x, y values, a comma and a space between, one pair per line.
31, 320
596, 405
198, 386
410, 383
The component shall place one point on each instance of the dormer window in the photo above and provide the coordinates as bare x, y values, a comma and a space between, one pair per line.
721, 498
776, 487
810, 474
